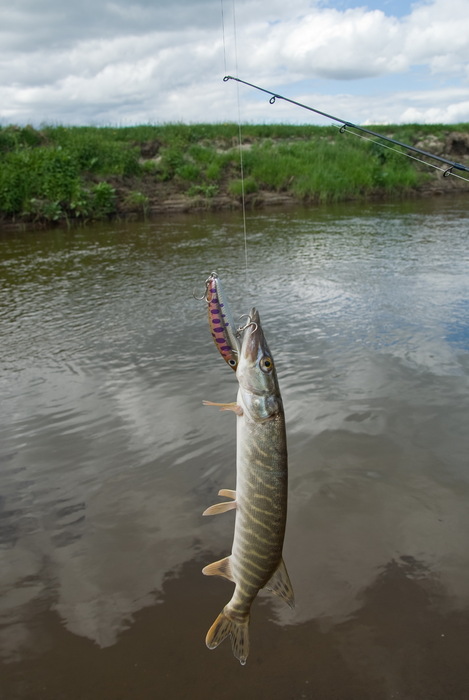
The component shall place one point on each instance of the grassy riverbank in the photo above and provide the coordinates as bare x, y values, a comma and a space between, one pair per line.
66, 174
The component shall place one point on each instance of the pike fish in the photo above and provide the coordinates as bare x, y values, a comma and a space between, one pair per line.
260, 498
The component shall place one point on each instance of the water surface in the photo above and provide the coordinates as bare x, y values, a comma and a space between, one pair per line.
107, 457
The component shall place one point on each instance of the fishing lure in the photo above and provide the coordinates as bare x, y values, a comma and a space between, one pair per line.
220, 321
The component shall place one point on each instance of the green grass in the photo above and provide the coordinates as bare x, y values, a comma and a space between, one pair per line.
61, 173
329, 169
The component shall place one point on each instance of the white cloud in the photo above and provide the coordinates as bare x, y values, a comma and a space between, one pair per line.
111, 62
331, 44
433, 115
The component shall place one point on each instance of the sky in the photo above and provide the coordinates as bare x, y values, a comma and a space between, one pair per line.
127, 62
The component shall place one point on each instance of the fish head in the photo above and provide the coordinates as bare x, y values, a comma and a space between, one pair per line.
256, 373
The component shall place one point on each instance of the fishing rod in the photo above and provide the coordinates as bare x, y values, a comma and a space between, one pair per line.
349, 125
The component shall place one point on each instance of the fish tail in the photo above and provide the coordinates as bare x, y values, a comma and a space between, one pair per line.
237, 628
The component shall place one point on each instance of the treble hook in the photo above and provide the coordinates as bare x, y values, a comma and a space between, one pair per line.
212, 276
204, 295
249, 323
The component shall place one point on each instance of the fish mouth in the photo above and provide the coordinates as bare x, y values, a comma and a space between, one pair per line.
253, 337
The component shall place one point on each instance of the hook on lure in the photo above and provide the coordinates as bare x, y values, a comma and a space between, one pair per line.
247, 325
204, 296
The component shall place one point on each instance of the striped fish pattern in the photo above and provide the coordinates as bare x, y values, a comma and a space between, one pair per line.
260, 499
221, 322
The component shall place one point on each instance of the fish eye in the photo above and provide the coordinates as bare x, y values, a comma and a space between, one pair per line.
232, 362
266, 364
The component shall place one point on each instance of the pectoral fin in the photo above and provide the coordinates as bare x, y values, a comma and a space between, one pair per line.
220, 508
219, 568
236, 408
280, 584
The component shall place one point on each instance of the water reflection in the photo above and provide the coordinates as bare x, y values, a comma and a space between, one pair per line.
398, 644
108, 458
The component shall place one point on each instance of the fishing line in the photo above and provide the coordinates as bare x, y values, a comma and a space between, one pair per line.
223, 33
240, 144
240, 138
243, 197
346, 126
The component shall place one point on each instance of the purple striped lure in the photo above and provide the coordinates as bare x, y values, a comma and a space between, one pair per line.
221, 321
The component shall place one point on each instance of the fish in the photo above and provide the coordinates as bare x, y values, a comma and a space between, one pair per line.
220, 321
260, 498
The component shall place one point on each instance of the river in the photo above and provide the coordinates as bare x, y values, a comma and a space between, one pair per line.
108, 458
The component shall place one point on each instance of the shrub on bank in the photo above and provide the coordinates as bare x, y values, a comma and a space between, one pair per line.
61, 172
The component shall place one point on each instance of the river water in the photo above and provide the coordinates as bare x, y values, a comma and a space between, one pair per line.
108, 457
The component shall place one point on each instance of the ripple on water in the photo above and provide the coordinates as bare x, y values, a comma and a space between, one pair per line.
108, 457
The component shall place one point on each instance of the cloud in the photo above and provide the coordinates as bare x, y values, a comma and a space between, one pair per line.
114, 62
452, 113
49, 24
350, 45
